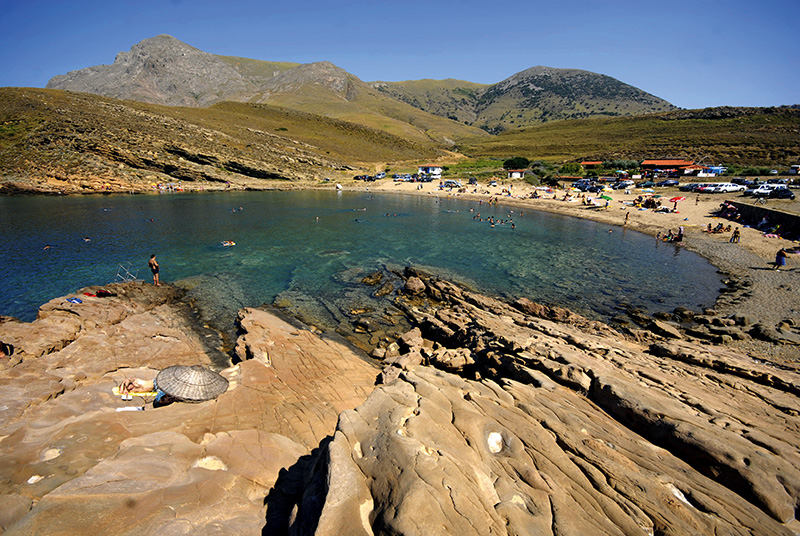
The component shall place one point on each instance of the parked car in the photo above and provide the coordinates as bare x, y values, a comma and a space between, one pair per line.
751, 190
380, 175
706, 187
668, 182
688, 187
781, 193
493, 183
725, 187
766, 189
621, 185
646, 184
473, 181
450, 183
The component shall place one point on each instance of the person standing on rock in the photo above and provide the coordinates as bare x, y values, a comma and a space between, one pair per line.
153, 264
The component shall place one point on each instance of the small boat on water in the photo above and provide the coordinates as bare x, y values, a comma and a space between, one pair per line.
228, 243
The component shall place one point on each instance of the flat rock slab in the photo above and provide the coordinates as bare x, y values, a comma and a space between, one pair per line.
73, 464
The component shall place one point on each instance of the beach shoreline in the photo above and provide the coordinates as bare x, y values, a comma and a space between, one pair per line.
755, 289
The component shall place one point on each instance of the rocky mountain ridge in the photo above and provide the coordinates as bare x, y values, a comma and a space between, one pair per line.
163, 70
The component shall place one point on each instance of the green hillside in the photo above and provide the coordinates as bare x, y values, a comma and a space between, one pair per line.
69, 141
742, 136
531, 97
454, 99
344, 96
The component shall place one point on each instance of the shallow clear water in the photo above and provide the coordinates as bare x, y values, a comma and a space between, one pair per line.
281, 247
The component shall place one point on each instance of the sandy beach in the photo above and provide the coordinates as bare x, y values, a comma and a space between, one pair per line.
771, 296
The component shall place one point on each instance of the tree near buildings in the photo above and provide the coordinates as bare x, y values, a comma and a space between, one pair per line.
518, 162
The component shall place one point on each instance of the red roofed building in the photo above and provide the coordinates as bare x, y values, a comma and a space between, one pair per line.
666, 164
591, 163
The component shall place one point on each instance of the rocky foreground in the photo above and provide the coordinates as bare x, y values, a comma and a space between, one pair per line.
489, 418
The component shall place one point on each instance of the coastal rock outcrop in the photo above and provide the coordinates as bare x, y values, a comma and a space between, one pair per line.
492, 417
552, 428
76, 457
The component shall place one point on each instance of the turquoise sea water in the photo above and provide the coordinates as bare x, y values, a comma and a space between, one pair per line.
282, 250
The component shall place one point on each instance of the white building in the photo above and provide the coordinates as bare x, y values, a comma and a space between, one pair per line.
433, 171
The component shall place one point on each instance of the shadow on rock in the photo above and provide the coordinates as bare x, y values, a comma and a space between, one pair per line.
295, 502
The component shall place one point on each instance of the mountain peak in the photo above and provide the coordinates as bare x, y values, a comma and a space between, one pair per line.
160, 70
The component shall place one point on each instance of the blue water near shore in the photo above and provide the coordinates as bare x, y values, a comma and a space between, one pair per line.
280, 246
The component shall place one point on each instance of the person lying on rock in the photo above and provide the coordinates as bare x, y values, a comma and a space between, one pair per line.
132, 386
193, 383
6, 349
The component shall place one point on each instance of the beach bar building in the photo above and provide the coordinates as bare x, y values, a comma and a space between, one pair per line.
669, 167
664, 165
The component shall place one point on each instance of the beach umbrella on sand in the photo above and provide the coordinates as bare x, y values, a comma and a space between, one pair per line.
194, 383
675, 201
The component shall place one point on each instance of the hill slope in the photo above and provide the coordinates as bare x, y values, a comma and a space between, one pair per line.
71, 141
744, 136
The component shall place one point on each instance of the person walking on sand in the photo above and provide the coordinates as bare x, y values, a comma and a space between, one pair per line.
735, 236
153, 264
780, 259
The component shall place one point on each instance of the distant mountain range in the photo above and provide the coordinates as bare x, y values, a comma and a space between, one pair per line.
164, 70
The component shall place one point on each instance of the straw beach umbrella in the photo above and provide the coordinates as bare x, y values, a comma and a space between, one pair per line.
193, 383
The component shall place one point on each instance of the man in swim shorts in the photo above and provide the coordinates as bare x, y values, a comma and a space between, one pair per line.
153, 264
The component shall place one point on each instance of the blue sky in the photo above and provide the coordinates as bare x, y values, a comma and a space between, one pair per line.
694, 54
